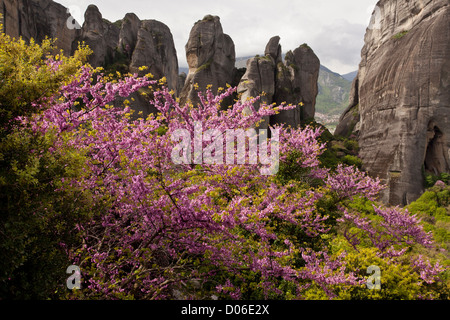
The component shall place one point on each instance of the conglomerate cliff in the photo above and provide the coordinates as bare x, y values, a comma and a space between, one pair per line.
400, 103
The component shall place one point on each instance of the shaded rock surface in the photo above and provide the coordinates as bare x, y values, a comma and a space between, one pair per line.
181, 81
130, 44
37, 19
297, 83
100, 35
402, 95
155, 48
210, 55
349, 121
293, 81
258, 80
128, 36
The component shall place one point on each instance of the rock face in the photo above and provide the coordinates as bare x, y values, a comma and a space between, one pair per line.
401, 97
181, 81
210, 56
155, 48
293, 81
258, 80
101, 36
132, 43
297, 83
128, 36
37, 19
349, 121
139, 43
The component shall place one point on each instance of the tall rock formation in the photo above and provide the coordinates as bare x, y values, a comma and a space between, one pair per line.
142, 43
37, 19
100, 35
400, 102
211, 57
128, 36
297, 83
156, 50
258, 80
293, 81
131, 43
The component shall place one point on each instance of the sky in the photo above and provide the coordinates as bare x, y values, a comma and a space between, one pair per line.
333, 29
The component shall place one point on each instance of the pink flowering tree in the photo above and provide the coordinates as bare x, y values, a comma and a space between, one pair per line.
161, 230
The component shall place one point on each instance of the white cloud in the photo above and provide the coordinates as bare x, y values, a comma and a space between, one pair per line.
339, 45
334, 29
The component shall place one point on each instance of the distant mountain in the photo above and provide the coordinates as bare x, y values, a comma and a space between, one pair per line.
350, 76
334, 91
333, 97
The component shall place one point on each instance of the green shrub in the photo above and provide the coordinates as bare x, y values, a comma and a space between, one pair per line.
35, 217
427, 204
352, 161
351, 144
431, 179
400, 35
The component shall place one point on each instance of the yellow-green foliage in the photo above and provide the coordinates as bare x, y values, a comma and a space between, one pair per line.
398, 281
26, 76
433, 207
35, 215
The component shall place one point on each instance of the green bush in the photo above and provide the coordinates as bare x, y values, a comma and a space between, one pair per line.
351, 144
431, 179
352, 161
433, 207
428, 204
35, 217
400, 35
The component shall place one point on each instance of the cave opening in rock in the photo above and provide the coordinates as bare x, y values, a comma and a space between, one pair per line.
435, 154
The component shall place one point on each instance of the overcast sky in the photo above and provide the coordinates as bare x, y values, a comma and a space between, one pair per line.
333, 29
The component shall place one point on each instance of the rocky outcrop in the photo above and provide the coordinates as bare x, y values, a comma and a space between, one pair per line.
131, 43
402, 95
128, 36
36, 19
210, 56
293, 81
181, 81
258, 80
297, 83
100, 35
143, 43
137, 42
273, 50
156, 50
